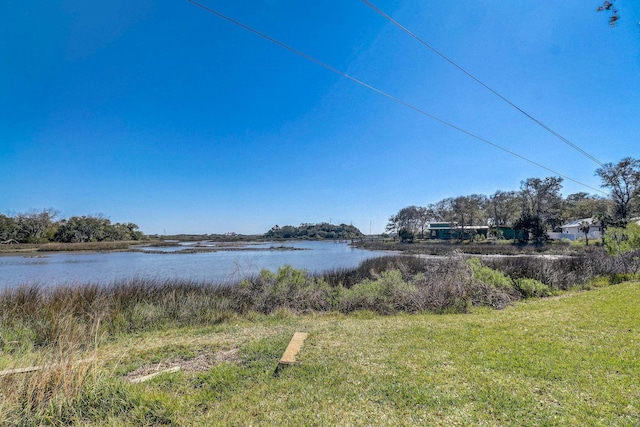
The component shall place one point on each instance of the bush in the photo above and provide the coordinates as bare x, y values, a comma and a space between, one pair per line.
489, 276
406, 235
523, 286
371, 268
447, 286
287, 288
388, 294
558, 272
532, 288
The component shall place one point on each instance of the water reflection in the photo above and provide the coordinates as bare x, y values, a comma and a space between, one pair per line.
226, 264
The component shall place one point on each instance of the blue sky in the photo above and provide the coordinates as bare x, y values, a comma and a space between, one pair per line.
163, 114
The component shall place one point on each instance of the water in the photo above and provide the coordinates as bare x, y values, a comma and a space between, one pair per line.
217, 267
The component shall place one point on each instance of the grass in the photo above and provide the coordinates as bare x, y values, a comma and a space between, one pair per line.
498, 247
358, 366
567, 360
27, 248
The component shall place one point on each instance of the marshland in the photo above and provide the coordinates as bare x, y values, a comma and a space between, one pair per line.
438, 277
396, 340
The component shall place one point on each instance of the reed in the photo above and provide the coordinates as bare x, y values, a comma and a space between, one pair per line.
48, 316
86, 246
562, 273
59, 327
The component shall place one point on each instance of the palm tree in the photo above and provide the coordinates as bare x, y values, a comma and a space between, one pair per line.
585, 226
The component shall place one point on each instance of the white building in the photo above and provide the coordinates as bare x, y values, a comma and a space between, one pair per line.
572, 230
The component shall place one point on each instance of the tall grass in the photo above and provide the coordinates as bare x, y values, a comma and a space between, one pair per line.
371, 268
444, 248
562, 273
68, 247
65, 325
50, 316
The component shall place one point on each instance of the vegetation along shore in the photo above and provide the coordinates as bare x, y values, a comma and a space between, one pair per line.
449, 337
454, 360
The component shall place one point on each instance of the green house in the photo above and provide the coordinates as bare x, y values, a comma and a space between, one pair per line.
508, 233
452, 231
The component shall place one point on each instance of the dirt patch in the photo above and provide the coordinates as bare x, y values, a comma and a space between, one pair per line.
202, 362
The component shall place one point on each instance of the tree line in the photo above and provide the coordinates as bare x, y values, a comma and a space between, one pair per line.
536, 208
42, 226
323, 230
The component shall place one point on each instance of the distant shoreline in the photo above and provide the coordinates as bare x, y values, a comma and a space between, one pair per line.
34, 250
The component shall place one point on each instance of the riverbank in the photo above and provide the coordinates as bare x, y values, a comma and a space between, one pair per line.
423, 341
434, 247
539, 362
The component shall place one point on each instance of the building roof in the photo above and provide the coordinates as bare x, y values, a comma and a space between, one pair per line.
578, 221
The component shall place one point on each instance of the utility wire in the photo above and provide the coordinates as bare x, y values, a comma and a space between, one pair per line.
434, 50
385, 94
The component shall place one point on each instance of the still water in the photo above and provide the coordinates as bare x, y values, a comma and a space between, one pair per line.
168, 263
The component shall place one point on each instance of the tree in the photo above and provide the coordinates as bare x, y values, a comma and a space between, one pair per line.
34, 225
531, 226
585, 227
84, 228
8, 229
468, 210
424, 215
583, 205
96, 228
306, 230
541, 205
624, 243
614, 15
406, 235
443, 210
503, 208
409, 218
392, 225
623, 179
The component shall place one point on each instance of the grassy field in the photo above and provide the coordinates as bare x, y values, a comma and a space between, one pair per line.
572, 359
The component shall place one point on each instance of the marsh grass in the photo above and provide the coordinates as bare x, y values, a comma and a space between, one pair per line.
560, 273
555, 361
51, 316
67, 247
62, 369
59, 327
371, 268
501, 247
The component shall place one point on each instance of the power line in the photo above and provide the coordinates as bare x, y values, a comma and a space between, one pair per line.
437, 52
385, 94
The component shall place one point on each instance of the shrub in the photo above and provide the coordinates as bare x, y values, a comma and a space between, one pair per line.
388, 294
524, 287
531, 288
287, 288
489, 276
406, 235
371, 268
618, 278
446, 286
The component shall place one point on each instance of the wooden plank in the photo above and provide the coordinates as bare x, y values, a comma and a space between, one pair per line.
155, 374
289, 355
292, 350
37, 368
20, 370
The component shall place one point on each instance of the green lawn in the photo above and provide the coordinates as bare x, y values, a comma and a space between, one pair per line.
569, 360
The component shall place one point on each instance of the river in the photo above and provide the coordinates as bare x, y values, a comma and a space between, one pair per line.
221, 266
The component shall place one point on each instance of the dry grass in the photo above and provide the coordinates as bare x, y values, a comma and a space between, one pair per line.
229, 336
556, 361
